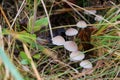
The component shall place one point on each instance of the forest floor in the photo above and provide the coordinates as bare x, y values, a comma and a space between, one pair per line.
28, 28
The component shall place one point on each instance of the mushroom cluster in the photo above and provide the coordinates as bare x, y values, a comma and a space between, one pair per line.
93, 12
71, 46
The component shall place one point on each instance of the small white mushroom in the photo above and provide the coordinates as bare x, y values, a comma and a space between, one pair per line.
71, 32
86, 64
98, 18
77, 56
58, 40
90, 12
81, 24
70, 46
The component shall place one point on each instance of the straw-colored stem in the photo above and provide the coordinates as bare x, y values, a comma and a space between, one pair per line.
50, 27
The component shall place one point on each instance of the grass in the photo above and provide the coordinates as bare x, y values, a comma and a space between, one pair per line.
24, 58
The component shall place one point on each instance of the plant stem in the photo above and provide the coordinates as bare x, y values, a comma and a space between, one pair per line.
50, 27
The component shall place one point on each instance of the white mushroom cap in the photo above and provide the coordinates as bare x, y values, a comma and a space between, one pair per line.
86, 64
58, 40
98, 18
71, 32
81, 24
90, 11
70, 46
77, 56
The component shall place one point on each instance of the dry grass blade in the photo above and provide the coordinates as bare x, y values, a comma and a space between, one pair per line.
32, 62
6, 19
20, 9
55, 58
85, 10
59, 11
50, 27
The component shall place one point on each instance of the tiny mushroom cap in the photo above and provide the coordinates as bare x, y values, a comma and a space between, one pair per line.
77, 56
98, 18
86, 64
90, 11
81, 24
58, 40
70, 46
71, 32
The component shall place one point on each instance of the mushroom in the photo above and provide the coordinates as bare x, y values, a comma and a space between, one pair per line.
81, 24
98, 18
90, 11
58, 40
77, 56
71, 32
70, 46
86, 64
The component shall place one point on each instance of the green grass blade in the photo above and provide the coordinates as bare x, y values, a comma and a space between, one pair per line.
10, 65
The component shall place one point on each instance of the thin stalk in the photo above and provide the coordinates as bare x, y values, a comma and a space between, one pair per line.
50, 27
84, 10
32, 62
19, 11
35, 12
